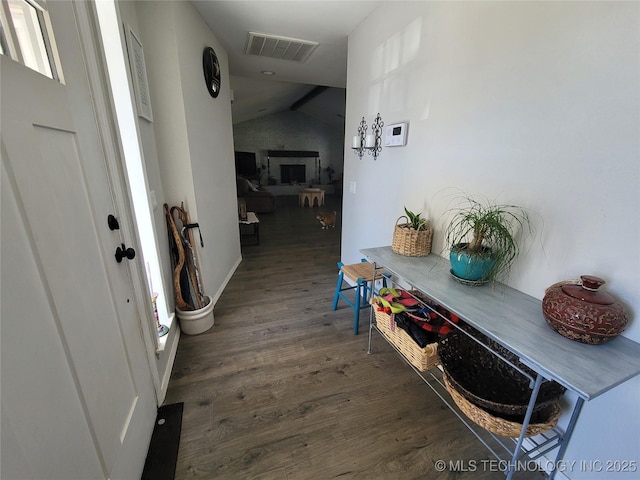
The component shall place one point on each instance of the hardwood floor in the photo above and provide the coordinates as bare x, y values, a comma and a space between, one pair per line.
280, 388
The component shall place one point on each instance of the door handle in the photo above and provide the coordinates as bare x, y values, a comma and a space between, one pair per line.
124, 252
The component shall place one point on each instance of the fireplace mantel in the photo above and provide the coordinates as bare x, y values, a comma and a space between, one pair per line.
292, 153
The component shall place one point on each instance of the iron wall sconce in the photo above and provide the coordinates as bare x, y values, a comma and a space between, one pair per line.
372, 142
358, 141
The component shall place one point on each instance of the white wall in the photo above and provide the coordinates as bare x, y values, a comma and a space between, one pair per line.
210, 134
193, 132
530, 103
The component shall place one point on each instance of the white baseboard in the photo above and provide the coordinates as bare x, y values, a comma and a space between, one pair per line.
216, 296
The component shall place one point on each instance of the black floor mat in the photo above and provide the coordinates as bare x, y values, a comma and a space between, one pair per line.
165, 441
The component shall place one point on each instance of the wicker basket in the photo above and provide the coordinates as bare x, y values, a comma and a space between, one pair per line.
488, 381
421, 358
409, 241
544, 420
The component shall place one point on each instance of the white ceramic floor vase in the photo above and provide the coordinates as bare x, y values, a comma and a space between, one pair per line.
194, 322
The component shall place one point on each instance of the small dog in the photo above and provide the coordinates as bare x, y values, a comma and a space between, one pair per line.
327, 219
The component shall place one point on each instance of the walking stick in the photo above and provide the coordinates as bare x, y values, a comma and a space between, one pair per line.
191, 259
175, 237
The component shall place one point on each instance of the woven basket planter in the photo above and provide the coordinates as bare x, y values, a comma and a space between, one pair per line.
409, 241
421, 358
543, 421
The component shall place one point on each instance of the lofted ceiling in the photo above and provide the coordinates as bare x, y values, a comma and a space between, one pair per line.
327, 23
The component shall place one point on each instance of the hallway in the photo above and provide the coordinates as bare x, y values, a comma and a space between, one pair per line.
280, 388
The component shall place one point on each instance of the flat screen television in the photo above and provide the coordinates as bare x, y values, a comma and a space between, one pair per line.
246, 164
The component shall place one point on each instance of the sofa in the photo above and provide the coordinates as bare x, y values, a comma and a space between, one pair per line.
256, 199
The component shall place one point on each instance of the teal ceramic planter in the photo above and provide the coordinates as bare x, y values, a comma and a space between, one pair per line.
473, 268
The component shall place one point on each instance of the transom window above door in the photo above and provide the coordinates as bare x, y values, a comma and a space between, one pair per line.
26, 36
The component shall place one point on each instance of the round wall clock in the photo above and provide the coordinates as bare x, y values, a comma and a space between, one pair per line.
211, 71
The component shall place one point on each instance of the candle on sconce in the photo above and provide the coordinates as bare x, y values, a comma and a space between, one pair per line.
355, 142
370, 141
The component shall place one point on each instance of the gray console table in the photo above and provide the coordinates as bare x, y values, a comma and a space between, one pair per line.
515, 321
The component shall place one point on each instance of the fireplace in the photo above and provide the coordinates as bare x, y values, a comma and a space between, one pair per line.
293, 174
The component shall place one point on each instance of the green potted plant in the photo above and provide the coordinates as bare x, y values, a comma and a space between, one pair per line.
483, 239
413, 237
415, 220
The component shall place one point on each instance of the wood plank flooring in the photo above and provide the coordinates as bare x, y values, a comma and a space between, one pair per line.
280, 388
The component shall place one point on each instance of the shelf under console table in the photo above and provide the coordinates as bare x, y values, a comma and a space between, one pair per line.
515, 321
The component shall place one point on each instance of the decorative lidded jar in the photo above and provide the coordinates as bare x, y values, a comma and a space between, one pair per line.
583, 313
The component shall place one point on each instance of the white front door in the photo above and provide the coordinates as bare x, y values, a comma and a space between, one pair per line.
78, 400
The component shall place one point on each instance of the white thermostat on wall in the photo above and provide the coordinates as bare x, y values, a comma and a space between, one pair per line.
396, 135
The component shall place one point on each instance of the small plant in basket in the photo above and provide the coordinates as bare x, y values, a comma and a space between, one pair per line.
413, 237
415, 220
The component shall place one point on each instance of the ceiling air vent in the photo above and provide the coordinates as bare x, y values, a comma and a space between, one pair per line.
274, 46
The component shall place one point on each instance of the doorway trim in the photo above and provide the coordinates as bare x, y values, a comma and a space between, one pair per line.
95, 56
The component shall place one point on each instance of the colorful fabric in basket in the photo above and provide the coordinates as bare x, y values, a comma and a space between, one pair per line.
411, 308
392, 300
419, 335
431, 321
